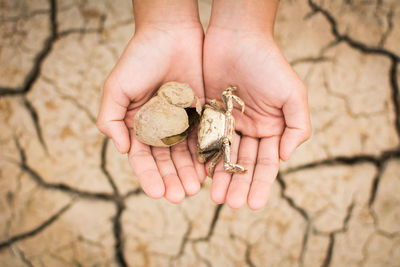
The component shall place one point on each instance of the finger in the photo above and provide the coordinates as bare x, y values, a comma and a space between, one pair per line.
145, 168
222, 178
265, 172
110, 120
240, 184
298, 126
192, 144
185, 167
173, 188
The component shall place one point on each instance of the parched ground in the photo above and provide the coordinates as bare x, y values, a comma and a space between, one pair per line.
67, 198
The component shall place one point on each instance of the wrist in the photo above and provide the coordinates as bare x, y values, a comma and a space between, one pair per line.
166, 15
244, 16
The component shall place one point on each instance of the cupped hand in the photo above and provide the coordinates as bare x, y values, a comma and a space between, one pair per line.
276, 119
155, 55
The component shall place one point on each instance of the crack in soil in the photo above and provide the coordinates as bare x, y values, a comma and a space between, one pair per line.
247, 256
22, 256
395, 59
119, 235
213, 223
332, 235
104, 169
34, 73
185, 240
133, 192
309, 60
389, 30
36, 230
344, 160
35, 119
57, 186
118, 200
301, 211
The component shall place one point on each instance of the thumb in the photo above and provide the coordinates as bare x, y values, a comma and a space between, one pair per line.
110, 120
298, 126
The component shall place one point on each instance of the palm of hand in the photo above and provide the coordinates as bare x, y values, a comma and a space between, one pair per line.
272, 93
158, 59
151, 59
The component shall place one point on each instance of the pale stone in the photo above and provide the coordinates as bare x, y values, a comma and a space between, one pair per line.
164, 116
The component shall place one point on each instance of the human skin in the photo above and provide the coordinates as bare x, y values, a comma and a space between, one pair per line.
166, 46
239, 49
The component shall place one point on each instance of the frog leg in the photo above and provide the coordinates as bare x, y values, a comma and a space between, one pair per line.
214, 161
199, 108
216, 105
228, 98
239, 101
205, 156
228, 165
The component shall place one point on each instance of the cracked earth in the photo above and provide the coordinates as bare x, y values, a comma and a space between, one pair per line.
67, 198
